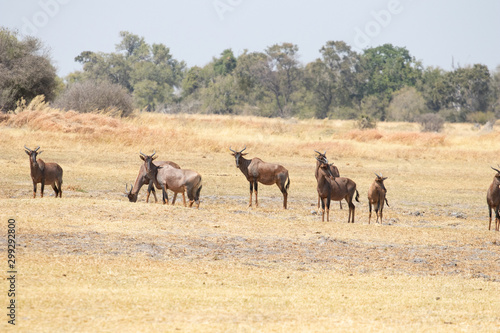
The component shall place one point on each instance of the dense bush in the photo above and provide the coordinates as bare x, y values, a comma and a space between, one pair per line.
366, 122
90, 96
25, 70
431, 122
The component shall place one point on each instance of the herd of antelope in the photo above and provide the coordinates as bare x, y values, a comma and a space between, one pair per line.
166, 175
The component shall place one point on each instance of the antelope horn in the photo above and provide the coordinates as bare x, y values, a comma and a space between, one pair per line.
143, 154
231, 149
317, 152
321, 161
377, 175
496, 169
27, 149
37, 148
243, 149
154, 152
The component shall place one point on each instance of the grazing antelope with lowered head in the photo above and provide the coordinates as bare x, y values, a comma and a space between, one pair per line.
335, 188
143, 179
333, 169
376, 197
44, 173
167, 177
256, 170
493, 199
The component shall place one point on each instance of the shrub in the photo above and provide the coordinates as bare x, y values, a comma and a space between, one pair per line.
481, 117
91, 96
366, 122
431, 122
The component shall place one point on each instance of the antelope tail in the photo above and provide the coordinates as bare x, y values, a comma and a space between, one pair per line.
387, 202
357, 196
287, 184
198, 187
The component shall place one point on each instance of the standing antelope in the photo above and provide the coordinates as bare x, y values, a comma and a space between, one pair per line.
335, 188
44, 173
256, 170
143, 179
176, 180
376, 197
493, 199
333, 169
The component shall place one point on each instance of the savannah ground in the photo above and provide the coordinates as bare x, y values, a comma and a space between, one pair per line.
92, 261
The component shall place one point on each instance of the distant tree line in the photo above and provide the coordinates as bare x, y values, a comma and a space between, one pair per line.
380, 83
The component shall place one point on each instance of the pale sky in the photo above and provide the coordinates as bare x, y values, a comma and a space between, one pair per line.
435, 32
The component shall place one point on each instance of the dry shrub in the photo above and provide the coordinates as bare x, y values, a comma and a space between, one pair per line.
4, 117
431, 122
90, 96
66, 122
364, 135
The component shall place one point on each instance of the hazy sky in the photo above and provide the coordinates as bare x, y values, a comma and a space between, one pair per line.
434, 32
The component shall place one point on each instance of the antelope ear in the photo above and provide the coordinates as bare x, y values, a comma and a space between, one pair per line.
27, 153
154, 157
384, 178
243, 154
41, 151
142, 157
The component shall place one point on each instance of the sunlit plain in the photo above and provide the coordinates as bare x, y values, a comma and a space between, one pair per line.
92, 261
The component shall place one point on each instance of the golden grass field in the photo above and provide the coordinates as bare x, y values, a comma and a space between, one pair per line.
94, 262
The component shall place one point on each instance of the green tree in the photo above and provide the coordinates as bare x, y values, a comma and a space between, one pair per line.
225, 64
148, 72
435, 88
470, 89
25, 70
388, 69
495, 92
277, 72
336, 78
220, 97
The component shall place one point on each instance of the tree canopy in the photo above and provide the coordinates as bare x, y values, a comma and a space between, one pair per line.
26, 70
381, 83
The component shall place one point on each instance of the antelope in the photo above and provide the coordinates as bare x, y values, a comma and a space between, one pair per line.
143, 179
335, 188
44, 173
176, 180
256, 170
333, 169
493, 199
376, 197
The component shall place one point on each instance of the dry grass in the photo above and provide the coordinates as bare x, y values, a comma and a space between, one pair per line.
92, 261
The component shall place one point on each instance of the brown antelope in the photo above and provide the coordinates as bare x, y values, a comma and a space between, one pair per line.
44, 173
335, 188
376, 197
493, 199
143, 179
333, 169
256, 170
167, 177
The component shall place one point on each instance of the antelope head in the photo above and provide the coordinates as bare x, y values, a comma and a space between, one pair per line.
380, 178
324, 165
131, 197
237, 155
32, 154
321, 156
148, 160
497, 176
